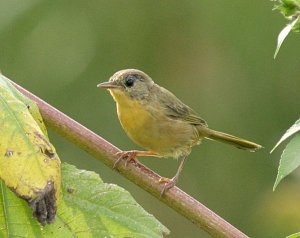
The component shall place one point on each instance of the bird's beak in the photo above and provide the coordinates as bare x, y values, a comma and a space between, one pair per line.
108, 85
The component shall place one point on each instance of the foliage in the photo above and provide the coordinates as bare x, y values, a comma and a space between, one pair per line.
290, 158
291, 10
296, 235
87, 208
29, 164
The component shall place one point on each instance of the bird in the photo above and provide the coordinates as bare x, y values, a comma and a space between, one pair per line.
156, 120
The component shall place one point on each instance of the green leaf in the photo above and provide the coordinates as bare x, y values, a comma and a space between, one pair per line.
296, 235
292, 130
109, 209
283, 34
288, 8
290, 159
29, 165
88, 208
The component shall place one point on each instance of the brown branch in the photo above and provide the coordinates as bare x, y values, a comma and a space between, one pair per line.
135, 172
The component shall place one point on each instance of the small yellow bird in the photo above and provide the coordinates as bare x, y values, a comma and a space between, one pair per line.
158, 121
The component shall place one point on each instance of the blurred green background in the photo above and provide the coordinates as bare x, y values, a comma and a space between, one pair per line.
217, 56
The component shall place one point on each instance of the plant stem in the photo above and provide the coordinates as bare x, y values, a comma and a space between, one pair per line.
139, 174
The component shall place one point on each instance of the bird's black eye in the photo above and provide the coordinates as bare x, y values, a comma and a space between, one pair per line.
130, 79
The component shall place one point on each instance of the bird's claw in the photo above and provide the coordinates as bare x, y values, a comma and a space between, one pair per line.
168, 183
127, 156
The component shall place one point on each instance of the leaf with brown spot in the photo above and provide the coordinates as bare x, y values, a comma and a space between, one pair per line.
88, 208
29, 165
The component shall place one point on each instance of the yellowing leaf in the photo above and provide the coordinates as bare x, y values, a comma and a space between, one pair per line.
29, 165
88, 208
31, 105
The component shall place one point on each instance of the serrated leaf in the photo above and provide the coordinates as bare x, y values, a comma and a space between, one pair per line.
292, 130
29, 165
88, 208
109, 209
296, 235
283, 34
290, 159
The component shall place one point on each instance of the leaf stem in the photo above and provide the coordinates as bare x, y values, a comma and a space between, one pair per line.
139, 174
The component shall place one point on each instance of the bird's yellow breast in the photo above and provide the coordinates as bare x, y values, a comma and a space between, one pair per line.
132, 114
147, 125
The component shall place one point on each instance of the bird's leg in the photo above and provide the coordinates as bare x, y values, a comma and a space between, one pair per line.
131, 156
169, 183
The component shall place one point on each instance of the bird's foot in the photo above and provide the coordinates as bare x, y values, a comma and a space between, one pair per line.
128, 156
131, 156
168, 183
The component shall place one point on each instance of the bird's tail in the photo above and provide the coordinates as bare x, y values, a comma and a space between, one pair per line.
230, 139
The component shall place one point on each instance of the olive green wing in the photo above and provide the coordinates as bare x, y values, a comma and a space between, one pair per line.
176, 109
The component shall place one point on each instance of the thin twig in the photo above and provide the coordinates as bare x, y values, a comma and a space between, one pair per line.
135, 172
